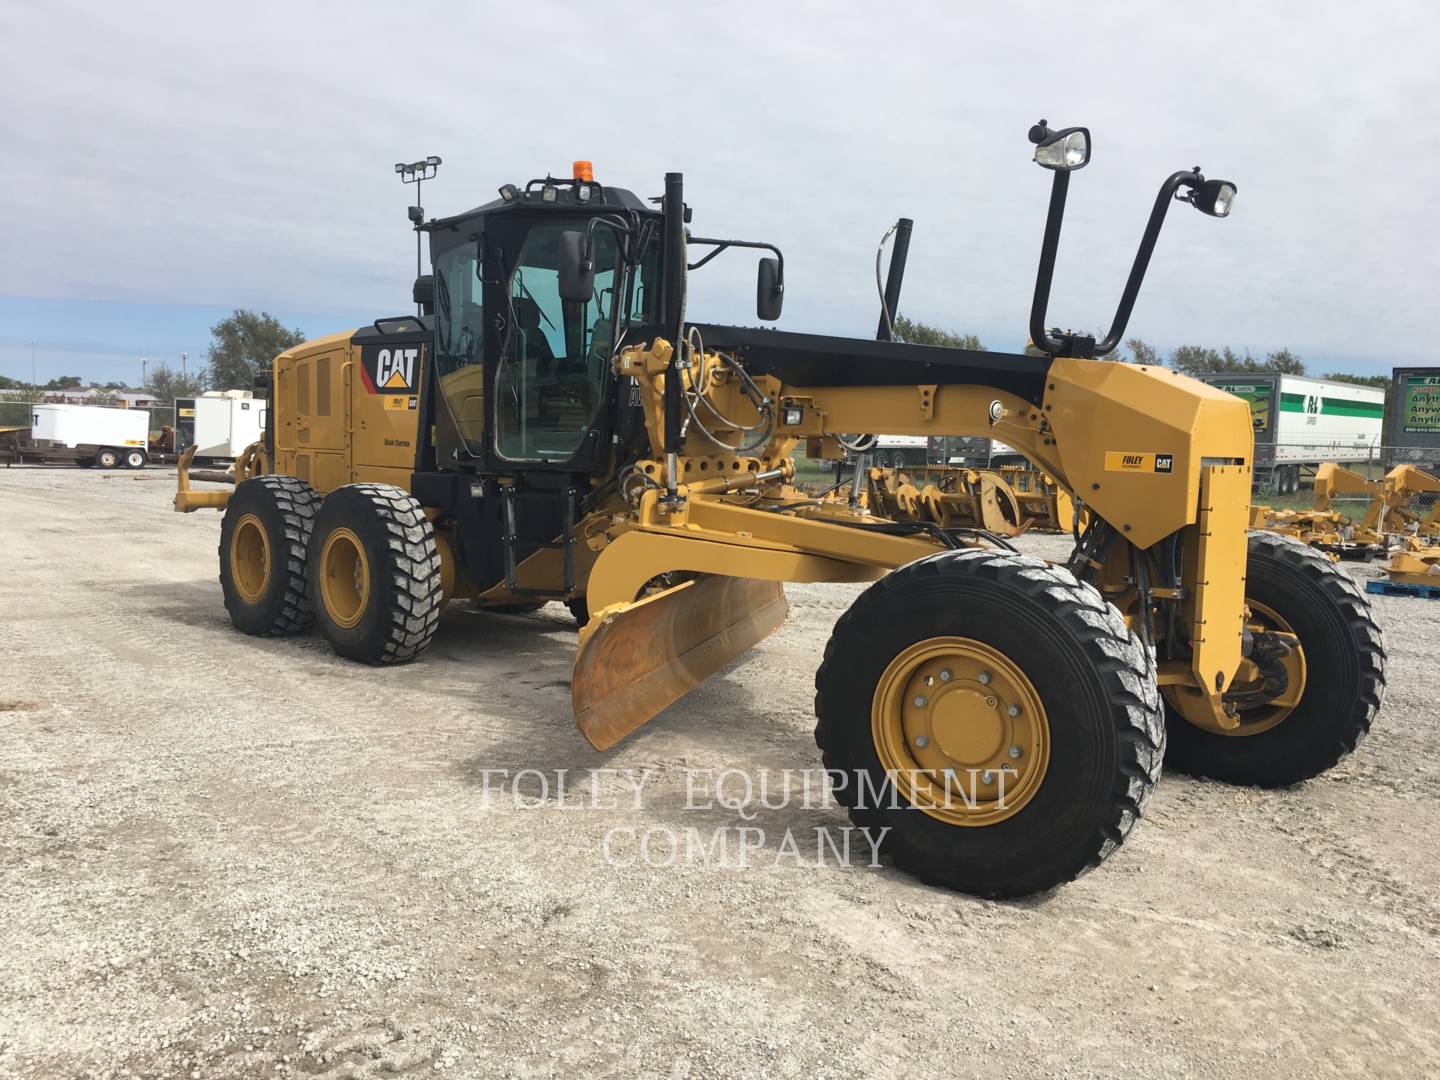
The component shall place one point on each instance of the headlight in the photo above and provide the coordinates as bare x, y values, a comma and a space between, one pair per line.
1214, 197
1066, 149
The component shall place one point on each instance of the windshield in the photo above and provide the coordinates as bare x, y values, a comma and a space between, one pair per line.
552, 371
551, 379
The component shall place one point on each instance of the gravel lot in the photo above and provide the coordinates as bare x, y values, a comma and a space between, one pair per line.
232, 857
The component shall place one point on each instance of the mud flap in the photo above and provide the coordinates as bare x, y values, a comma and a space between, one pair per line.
638, 658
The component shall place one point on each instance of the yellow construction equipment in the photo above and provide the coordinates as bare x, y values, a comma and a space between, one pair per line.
1007, 501
1387, 519
947, 496
553, 427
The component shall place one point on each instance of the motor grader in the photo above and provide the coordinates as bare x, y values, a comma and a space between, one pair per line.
554, 427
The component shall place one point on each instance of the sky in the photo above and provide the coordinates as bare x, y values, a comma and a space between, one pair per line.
162, 164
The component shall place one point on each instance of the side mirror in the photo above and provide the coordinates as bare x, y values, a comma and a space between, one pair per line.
577, 269
423, 293
769, 291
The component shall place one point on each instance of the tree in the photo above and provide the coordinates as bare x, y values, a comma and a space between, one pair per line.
64, 382
1142, 352
166, 384
244, 345
1198, 360
918, 333
1285, 362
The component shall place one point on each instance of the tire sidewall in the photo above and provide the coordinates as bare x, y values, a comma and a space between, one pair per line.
1074, 796
1289, 751
352, 508
254, 497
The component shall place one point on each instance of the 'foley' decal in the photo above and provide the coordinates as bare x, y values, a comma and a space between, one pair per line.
1125, 461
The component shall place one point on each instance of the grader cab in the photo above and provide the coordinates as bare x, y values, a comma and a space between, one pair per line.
554, 427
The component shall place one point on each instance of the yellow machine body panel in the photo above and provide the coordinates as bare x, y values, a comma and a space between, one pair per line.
342, 416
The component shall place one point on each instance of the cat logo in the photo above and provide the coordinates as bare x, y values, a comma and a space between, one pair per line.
395, 369
1124, 461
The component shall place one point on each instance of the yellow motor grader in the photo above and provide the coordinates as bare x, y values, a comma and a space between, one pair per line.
553, 427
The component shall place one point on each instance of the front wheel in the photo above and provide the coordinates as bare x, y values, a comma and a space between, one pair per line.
107, 458
990, 720
1336, 678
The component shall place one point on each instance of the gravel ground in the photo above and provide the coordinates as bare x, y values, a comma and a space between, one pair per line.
232, 857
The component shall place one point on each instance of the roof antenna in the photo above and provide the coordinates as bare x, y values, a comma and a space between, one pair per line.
413, 173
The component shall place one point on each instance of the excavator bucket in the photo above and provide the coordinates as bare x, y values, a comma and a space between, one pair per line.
638, 658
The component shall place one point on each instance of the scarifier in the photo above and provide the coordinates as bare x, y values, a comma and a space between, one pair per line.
553, 427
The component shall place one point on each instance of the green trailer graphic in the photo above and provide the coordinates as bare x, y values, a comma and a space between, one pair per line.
1256, 396
1421, 407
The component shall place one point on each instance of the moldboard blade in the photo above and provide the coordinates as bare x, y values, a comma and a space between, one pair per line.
642, 657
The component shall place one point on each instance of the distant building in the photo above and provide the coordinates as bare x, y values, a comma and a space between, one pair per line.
92, 395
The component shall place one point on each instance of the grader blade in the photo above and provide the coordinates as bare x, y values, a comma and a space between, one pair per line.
637, 659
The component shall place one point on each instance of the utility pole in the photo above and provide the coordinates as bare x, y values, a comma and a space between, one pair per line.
414, 173
34, 379
143, 361
183, 357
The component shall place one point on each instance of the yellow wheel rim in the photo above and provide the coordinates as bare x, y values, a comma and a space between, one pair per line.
1190, 703
344, 578
961, 731
250, 558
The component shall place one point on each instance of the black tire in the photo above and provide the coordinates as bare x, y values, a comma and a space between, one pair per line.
106, 458
134, 459
1095, 680
579, 609
285, 508
401, 610
1345, 674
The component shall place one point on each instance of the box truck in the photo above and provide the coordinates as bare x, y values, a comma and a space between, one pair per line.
1301, 422
219, 424
86, 435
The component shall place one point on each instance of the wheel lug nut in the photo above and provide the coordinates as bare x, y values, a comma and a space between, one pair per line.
920, 700
921, 742
984, 678
1013, 710
987, 777
945, 675
1014, 751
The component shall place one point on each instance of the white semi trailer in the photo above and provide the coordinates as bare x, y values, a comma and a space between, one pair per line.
1301, 422
86, 435
221, 424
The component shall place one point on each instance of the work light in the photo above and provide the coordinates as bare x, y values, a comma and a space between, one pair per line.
1213, 197
1065, 150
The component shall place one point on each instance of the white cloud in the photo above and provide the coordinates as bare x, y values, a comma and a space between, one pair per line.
193, 155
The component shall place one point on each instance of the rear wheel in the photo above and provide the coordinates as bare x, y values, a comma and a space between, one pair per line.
1336, 676
134, 459
995, 716
263, 538
374, 574
107, 458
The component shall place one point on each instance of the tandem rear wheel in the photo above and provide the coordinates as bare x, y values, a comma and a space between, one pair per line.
263, 540
373, 571
994, 716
